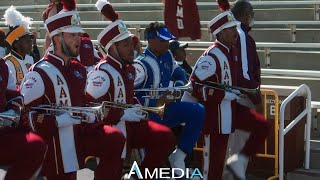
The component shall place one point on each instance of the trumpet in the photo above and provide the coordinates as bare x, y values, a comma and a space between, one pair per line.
146, 110
77, 111
252, 92
173, 92
11, 116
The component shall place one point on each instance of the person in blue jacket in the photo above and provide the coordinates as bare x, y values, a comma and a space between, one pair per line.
157, 68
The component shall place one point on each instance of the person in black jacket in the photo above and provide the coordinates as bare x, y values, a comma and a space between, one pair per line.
179, 53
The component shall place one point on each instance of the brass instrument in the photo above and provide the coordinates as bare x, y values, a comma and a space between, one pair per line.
145, 109
228, 88
77, 111
173, 92
11, 116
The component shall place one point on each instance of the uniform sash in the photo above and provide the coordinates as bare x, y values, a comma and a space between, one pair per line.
66, 134
119, 96
225, 106
17, 67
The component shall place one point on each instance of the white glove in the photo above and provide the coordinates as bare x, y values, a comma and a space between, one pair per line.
235, 91
132, 114
230, 96
89, 117
66, 120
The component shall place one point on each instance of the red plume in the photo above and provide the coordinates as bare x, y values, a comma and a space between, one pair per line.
69, 5
223, 5
109, 12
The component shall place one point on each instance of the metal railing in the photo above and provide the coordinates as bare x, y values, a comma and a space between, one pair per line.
303, 90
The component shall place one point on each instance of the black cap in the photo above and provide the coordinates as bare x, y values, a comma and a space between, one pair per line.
174, 45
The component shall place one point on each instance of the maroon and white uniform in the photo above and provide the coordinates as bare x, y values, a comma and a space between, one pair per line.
51, 81
21, 151
219, 64
111, 80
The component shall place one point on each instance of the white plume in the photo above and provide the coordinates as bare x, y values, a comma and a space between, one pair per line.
101, 3
15, 18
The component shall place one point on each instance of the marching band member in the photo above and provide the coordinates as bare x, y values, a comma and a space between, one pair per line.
19, 39
60, 79
249, 75
22, 151
113, 80
88, 55
155, 68
219, 64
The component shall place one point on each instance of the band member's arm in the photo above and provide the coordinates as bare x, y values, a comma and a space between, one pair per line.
206, 70
97, 90
178, 76
252, 65
12, 95
12, 69
33, 92
141, 75
14, 101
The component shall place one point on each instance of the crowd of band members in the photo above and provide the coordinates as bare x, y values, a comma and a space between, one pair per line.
59, 144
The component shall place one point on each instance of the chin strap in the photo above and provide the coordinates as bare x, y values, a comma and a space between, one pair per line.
117, 54
64, 47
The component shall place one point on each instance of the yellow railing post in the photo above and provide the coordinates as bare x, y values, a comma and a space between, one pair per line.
275, 156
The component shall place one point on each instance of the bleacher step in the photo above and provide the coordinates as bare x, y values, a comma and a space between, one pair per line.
315, 154
299, 174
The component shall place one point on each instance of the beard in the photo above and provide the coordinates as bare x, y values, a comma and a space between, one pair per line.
70, 52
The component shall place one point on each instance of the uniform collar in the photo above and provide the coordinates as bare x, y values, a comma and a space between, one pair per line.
245, 28
222, 46
16, 55
56, 58
114, 61
150, 53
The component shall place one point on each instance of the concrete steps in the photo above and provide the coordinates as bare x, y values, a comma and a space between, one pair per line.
279, 14
302, 174
315, 154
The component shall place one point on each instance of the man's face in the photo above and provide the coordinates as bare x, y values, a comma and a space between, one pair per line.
125, 50
160, 46
72, 42
25, 44
180, 54
229, 36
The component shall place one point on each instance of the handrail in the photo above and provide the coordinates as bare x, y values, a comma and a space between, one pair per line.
290, 72
205, 4
303, 90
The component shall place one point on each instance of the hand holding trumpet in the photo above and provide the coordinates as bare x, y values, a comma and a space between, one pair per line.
134, 114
